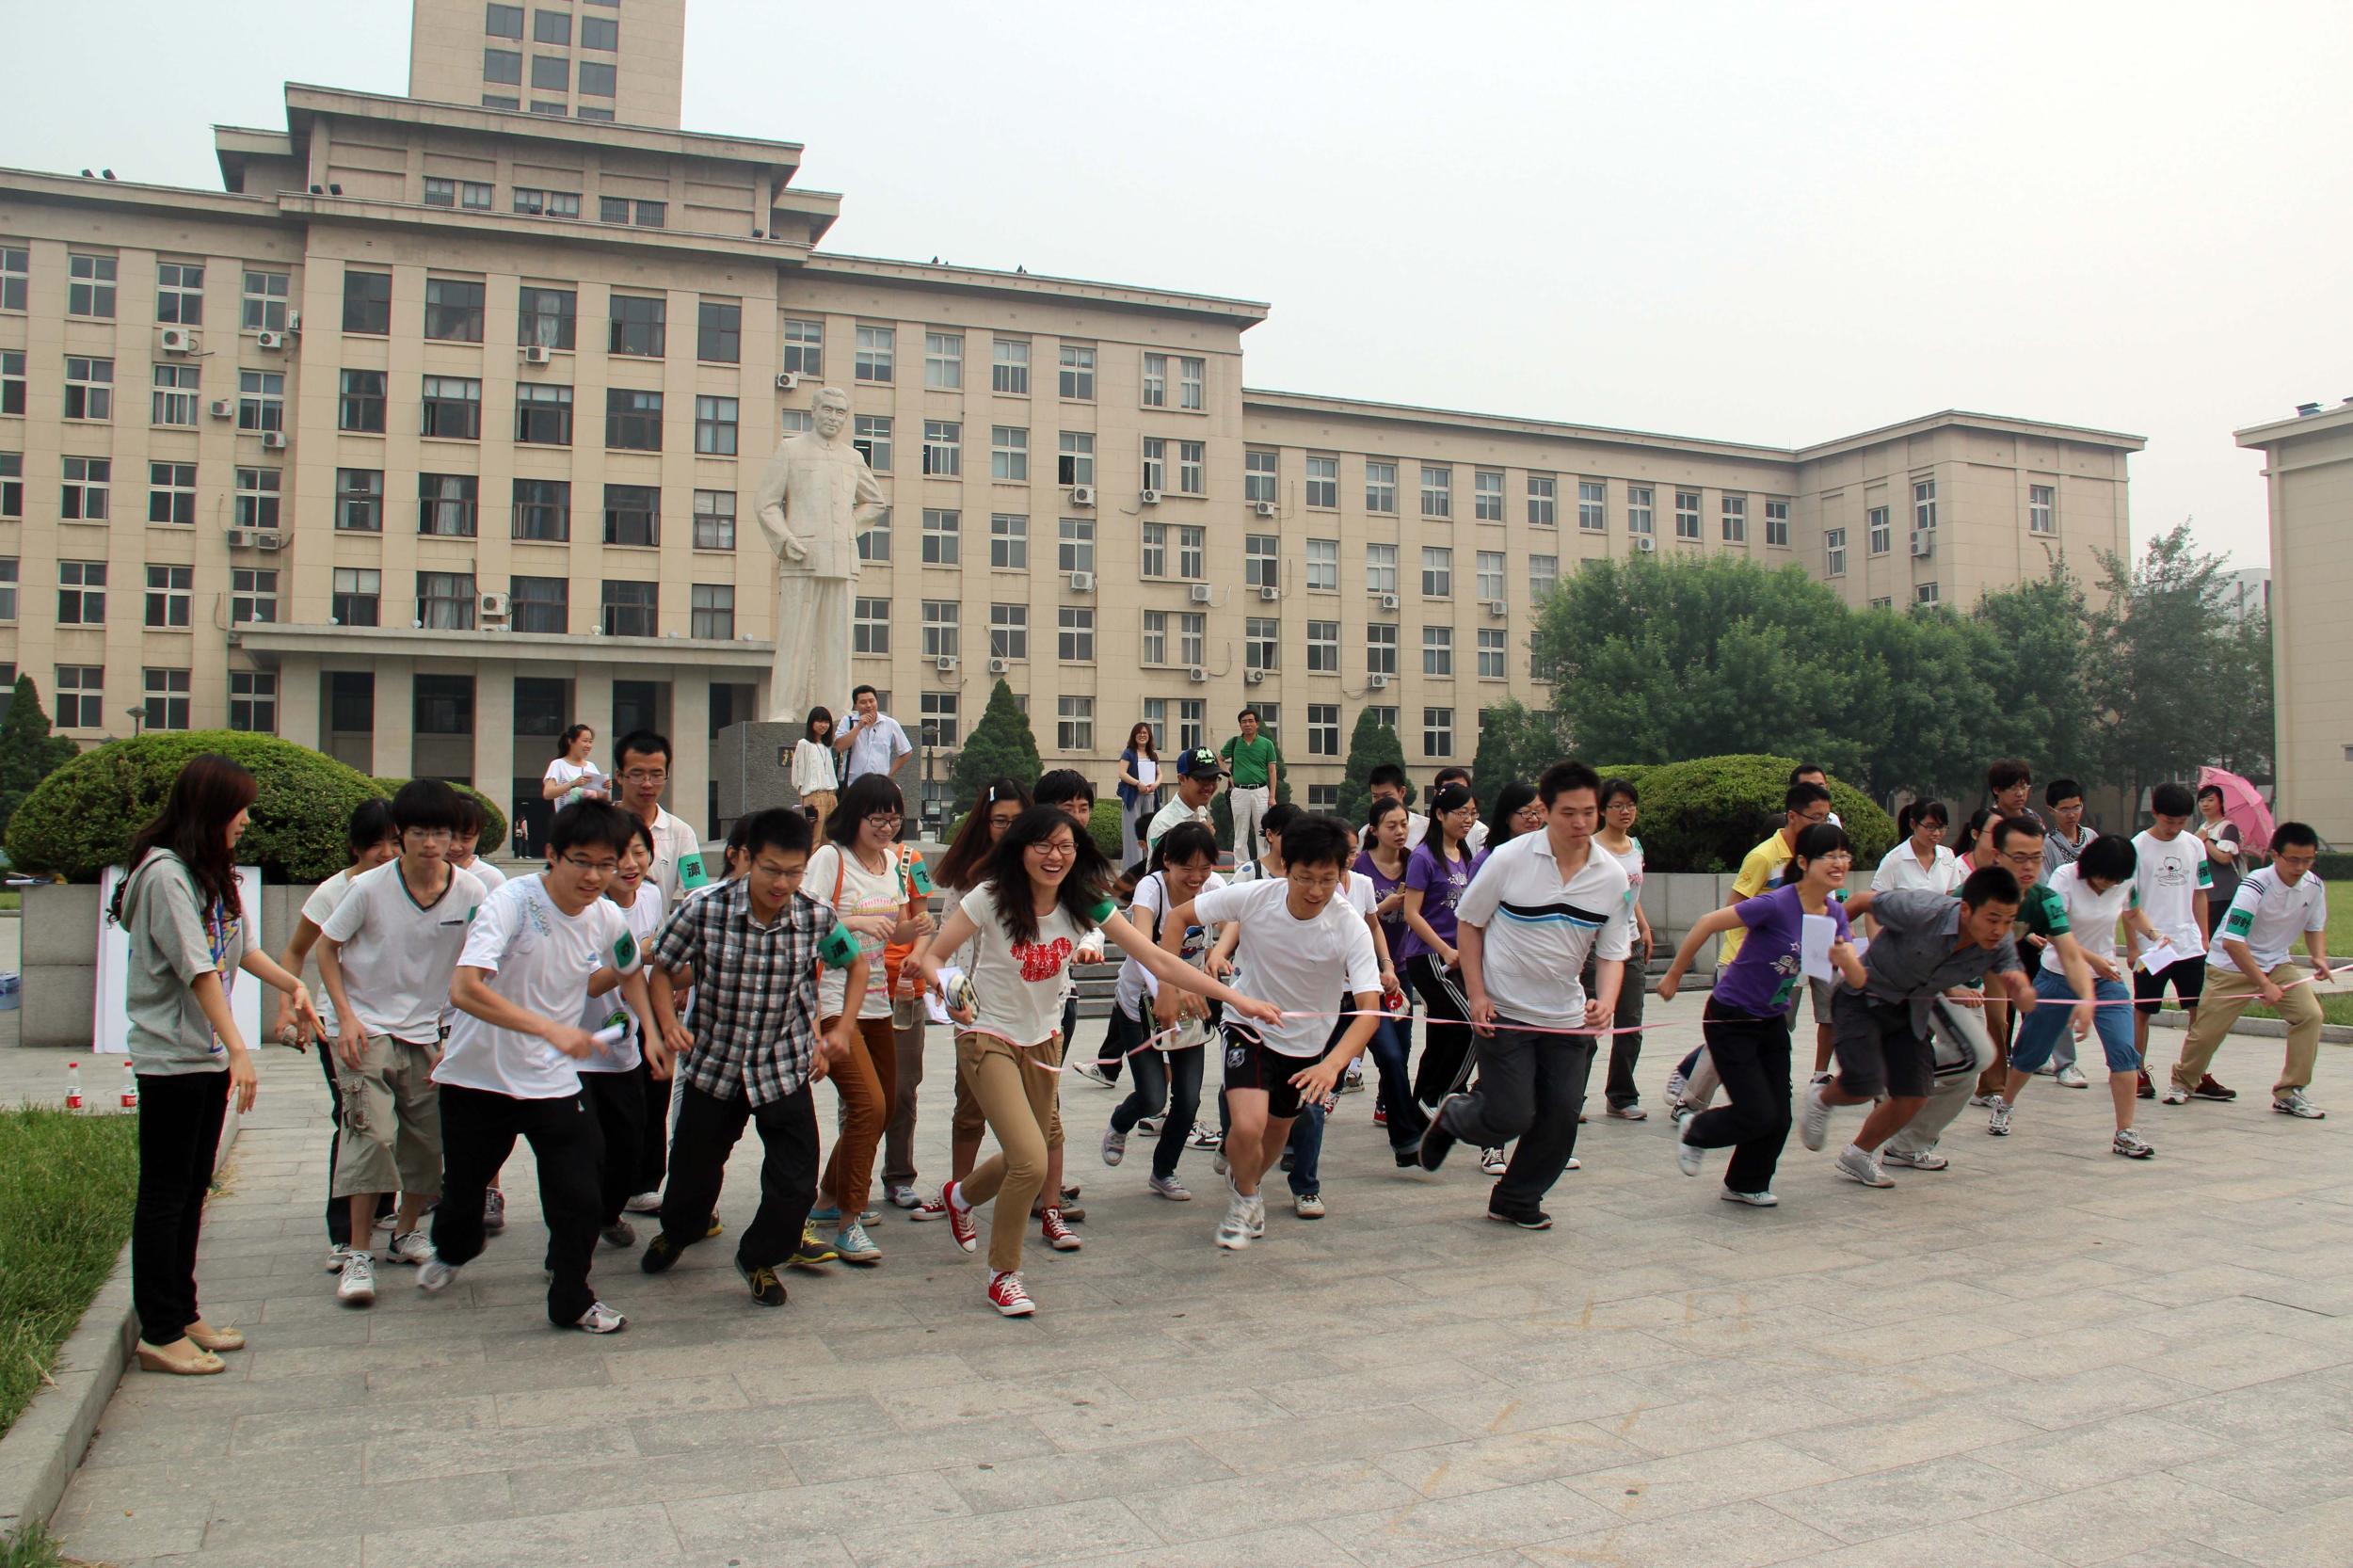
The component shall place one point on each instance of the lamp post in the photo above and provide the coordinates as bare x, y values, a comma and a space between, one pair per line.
138, 718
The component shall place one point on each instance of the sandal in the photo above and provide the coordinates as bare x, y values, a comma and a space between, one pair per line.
207, 1337
185, 1358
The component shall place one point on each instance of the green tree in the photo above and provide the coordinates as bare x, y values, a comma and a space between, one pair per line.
1370, 744
1001, 745
2163, 664
28, 752
2041, 647
1933, 707
1515, 742
2244, 741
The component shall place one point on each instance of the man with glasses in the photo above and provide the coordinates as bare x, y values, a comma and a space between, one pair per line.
2249, 962
644, 766
873, 739
386, 955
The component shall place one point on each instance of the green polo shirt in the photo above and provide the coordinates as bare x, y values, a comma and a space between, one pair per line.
1250, 760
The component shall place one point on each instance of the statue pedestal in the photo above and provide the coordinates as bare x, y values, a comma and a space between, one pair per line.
752, 763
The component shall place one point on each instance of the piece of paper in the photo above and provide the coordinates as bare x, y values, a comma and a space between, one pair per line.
935, 1002
2157, 959
1814, 943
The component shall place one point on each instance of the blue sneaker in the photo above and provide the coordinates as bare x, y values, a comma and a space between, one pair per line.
854, 1246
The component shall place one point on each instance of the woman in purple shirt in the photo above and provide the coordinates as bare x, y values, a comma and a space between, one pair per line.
1436, 878
1747, 1017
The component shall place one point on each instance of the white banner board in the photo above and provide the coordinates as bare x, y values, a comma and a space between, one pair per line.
113, 1030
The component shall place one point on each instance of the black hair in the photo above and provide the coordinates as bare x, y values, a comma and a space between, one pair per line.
2293, 835
371, 823
817, 715
1457, 771
1249, 713
1509, 802
425, 802
2111, 857
646, 744
1276, 818
1187, 840
1990, 885
1565, 775
2008, 772
641, 829
1082, 889
867, 793
1917, 811
862, 689
589, 824
1060, 785
564, 742
1612, 788
2205, 790
1798, 797
780, 828
2011, 827
1380, 808
1315, 839
966, 852
2062, 789
1814, 841
1798, 772
2171, 800
1390, 773
1152, 740
206, 795
1973, 828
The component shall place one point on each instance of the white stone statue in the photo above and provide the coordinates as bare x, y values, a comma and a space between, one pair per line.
814, 498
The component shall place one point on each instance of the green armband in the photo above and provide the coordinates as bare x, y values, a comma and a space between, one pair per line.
1103, 911
840, 946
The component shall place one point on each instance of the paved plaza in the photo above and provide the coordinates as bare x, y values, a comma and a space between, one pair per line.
2044, 1355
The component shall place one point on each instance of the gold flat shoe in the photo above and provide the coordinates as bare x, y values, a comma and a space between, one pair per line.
191, 1363
207, 1337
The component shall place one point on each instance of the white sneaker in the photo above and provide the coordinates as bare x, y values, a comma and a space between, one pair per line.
1147, 1125
1114, 1145
1856, 1166
1257, 1215
1171, 1188
2071, 1077
1233, 1232
1997, 1119
1092, 1074
2292, 1103
1983, 1102
903, 1196
335, 1256
1675, 1081
1218, 1164
601, 1319
1204, 1136
1813, 1125
2175, 1094
435, 1276
644, 1203
1492, 1161
1308, 1205
1926, 1159
409, 1247
2131, 1144
1688, 1156
358, 1286
1754, 1200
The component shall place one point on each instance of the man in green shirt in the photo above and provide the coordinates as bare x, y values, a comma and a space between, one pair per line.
1254, 765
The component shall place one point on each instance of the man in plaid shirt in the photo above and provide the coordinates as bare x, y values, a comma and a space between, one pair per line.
754, 1054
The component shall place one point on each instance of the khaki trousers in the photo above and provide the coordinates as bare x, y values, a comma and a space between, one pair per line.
2228, 994
1014, 1087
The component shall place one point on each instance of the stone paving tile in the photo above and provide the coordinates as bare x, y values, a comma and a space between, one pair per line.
586, 1539
1656, 1488
2307, 1538
2096, 1522
1056, 1533
1891, 1502
1510, 1458
1956, 1544
996, 1486
1435, 1530
2293, 1473
1738, 1535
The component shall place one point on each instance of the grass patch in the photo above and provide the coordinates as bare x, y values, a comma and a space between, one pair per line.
31, 1547
67, 1185
10, 900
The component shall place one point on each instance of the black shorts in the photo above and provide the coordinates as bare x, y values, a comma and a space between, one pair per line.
2187, 976
1250, 1065
1877, 1053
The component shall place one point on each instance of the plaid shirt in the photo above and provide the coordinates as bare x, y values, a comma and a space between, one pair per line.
754, 1019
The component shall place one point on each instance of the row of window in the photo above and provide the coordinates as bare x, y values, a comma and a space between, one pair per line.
548, 72
602, 33
78, 698
88, 393
91, 288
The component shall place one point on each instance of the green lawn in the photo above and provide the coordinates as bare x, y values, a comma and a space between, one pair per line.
12, 899
2336, 1001
31, 1547
66, 1183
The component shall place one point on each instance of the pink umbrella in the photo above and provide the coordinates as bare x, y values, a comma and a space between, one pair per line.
2243, 803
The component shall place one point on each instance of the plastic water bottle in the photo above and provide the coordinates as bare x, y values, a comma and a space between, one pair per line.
130, 1088
73, 1086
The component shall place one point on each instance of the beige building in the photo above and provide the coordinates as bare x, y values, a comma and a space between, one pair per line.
430, 433
2307, 478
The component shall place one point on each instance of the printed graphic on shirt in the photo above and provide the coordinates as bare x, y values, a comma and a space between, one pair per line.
1042, 961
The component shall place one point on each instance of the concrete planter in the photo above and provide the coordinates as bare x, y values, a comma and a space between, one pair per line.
1677, 900
59, 957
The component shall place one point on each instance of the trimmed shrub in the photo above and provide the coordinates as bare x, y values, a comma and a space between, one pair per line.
82, 818
1706, 814
495, 827
2334, 866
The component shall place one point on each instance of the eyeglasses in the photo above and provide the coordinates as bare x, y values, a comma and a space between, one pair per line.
603, 868
882, 819
645, 775
1622, 805
1053, 851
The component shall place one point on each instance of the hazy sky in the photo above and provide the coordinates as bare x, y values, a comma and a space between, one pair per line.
1772, 223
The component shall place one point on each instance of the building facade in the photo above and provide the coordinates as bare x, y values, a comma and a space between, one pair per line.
2307, 483
433, 432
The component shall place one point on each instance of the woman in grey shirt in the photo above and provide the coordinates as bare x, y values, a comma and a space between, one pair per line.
188, 936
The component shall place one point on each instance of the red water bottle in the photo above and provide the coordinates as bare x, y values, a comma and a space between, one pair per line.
130, 1088
73, 1086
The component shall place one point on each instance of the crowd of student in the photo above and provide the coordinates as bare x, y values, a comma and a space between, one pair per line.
628, 1015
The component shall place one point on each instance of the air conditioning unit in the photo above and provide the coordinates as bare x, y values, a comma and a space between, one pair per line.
538, 354
273, 440
1201, 593
1198, 676
1378, 682
179, 340
1269, 592
788, 381
293, 322
1644, 543
1082, 582
495, 606
224, 408
945, 663
1148, 498
1082, 495
1497, 609
1264, 508
999, 667
256, 538
1388, 602
1922, 543
271, 340
1252, 678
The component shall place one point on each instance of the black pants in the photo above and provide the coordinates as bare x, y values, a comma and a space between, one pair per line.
180, 1117
707, 1127
654, 1131
1446, 1052
1531, 1088
617, 1100
1167, 1085
1751, 1056
478, 1132
1625, 1051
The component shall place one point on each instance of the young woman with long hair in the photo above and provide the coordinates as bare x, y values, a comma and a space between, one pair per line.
1139, 792
188, 938
563, 781
1435, 878
812, 768
1517, 810
1620, 804
1047, 887
1168, 1076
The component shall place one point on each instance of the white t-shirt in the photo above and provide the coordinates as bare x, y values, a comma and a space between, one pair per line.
399, 955
540, 959
1135, 981
813, 767
863, 893
582, 774
1900, 868
1298, 966
491, 878
1175, 814
1539, 927
1416, 827
2269, 914
2173, 872
318, 909
1017, 987
2090, 917
1476, 840
644, 919
1632, 862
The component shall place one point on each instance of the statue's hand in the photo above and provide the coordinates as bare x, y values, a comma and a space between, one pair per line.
795, 551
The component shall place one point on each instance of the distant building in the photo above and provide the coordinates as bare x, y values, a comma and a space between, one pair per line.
2247, 592
2308, 481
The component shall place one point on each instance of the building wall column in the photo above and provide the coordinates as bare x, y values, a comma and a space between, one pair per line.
494, 735
301, 717
689, 745
395, 718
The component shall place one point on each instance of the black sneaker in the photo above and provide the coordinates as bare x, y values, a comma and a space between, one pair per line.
2209, 1090
1409, 1158
660, 1253
767, 1290
1436, 1142
1534, 1219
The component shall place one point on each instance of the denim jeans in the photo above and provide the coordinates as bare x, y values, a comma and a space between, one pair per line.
1390, 1048
1167, 1084
1305, 1148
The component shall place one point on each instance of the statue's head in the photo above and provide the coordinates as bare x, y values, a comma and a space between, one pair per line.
831, 412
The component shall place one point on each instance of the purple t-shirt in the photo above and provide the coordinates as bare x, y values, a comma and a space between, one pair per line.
1441, 884
1392, 926
1767, 974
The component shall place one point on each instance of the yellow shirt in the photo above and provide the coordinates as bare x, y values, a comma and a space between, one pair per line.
1759, 870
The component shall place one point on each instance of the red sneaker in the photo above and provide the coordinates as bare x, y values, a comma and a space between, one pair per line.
960, 1223
1059, 1236
1380, 1115
1006, 1295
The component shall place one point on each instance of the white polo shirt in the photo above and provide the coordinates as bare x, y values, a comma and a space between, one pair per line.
873, 747
2269, 914
674, 841
1539, 927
